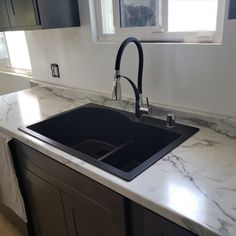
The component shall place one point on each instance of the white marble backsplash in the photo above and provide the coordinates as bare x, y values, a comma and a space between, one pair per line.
193, 186
222, 124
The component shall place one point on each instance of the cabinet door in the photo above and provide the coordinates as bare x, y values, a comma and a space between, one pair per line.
147, 223
232, 9
58, 13
143, 223
171, 229
82, 221
45, 206
21, 13
4, 20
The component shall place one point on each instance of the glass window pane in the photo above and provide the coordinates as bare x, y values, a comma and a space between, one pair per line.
140, 13
18, 50
192, 15
4, 56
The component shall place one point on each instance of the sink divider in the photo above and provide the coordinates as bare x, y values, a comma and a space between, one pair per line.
115, 150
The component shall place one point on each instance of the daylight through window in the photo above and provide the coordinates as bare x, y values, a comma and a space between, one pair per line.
4, 55
14, 55
160, 20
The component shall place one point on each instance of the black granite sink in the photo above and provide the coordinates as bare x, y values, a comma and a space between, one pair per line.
110, 139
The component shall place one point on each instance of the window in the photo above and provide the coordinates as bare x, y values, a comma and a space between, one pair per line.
4, 55
158, 20
14, 55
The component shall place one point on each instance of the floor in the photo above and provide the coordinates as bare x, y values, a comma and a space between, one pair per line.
7, 229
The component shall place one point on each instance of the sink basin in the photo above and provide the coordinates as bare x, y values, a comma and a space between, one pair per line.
110, 139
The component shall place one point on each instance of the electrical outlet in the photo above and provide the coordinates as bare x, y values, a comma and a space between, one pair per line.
55, 70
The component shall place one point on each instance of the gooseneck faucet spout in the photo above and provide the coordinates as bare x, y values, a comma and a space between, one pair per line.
116, 93
140, 54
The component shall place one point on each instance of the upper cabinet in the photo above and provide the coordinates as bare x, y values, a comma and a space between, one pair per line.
21, 13
232, 10
58, 13
4, 20
35, 14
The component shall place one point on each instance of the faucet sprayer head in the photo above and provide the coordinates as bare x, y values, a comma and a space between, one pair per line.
116, 88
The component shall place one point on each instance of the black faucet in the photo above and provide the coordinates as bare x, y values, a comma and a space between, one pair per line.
116, 93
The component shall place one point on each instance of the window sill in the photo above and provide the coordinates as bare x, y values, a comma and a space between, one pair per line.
14, 74
101, 41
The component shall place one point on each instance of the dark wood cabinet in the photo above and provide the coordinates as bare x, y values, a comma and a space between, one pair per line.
232, 10
21, 13
146, 223
58, 13
82, 220
4, 20
45, 204
60, 201
36, 14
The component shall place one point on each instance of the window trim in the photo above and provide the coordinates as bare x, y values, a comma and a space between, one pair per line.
195, 37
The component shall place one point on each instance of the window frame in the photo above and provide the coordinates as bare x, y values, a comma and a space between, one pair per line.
9, 68
140, 30
156, 36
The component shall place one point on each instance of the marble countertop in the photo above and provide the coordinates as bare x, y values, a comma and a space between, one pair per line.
193, 186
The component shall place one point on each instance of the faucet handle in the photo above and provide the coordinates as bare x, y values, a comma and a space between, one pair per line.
116, 87
170, 120
145, 109
147, 101
116, 90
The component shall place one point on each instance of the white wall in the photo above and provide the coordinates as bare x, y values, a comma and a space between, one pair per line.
11, 83
190, 76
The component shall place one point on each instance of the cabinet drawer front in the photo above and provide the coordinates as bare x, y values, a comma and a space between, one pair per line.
103, 201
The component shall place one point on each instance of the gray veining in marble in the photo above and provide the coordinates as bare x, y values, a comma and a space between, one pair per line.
193, 186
